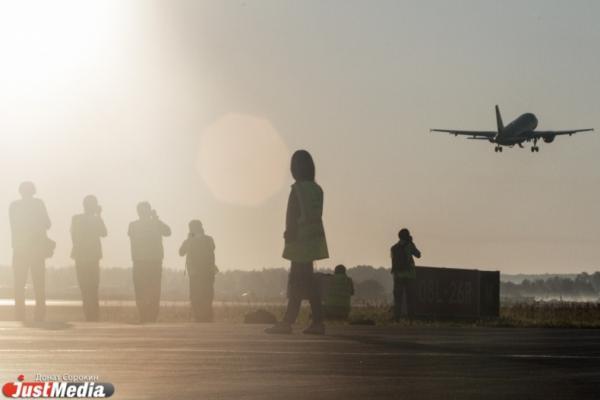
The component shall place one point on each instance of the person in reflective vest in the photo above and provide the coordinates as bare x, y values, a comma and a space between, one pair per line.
403, 270
340, 290
304, 243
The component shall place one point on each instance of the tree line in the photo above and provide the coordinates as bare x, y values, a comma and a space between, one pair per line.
269, 285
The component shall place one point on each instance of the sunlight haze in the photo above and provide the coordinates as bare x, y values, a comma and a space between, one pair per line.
197, 106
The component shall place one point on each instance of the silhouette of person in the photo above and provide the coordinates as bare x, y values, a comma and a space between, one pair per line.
304, 243
86, 231
29, 223
199, 252
403, 270
147, 252
339, 294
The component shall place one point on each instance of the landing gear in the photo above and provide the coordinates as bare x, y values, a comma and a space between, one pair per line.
535, 149
498, 149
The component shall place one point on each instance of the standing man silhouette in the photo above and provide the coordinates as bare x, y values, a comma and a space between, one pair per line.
403, 270
147, 252
304, 243
29, 223
199, 252
86, 231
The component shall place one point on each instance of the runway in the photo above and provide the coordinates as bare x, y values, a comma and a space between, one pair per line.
233, 361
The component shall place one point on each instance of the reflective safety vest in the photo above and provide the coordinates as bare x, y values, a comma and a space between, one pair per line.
339, 292
310, 243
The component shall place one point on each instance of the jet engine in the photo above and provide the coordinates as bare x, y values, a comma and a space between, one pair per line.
549, 139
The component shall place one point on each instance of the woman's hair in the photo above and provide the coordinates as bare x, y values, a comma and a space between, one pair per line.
404, 234
340, 269
303, 166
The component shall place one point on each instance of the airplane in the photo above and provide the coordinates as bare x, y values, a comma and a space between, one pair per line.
517, 132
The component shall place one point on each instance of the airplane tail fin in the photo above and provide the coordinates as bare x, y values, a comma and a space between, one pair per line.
499, 120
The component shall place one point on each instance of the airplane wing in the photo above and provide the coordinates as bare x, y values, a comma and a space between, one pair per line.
542, 134
472, 134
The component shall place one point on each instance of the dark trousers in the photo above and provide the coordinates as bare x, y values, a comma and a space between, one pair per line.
146, 282
302, 284
202, 293
402, 287
23, 262
88, 276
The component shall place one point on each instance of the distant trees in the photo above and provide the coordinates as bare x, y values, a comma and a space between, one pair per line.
270, 285
369, 290
583, 285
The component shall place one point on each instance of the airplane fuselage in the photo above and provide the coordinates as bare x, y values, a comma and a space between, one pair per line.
517, 131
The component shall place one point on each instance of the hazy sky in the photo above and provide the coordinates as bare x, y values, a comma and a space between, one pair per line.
196, 107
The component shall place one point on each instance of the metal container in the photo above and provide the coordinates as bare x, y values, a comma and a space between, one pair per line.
457, 293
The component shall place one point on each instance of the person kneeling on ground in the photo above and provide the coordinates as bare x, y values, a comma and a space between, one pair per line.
199, 250
339, 292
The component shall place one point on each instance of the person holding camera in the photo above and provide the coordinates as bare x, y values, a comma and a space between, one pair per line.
87, 230
403, 270
199, 252
147, 252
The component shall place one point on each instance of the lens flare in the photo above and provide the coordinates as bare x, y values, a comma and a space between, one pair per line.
243, 159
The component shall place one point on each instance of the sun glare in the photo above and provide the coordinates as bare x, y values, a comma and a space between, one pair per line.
45, 43
54, 53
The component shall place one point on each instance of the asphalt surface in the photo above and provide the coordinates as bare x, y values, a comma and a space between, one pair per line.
236, 361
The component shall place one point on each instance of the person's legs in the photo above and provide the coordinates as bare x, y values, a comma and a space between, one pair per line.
38, 276
410, 297
299, 285
313, 291
194, 299
94, 301
88, 276
205, 298
199, 297
399, 291
81, 280
209, 294
154, 286
20, 270
315, 299
293, 309
139, 288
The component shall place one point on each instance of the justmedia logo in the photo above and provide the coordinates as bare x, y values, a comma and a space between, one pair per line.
56, 389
